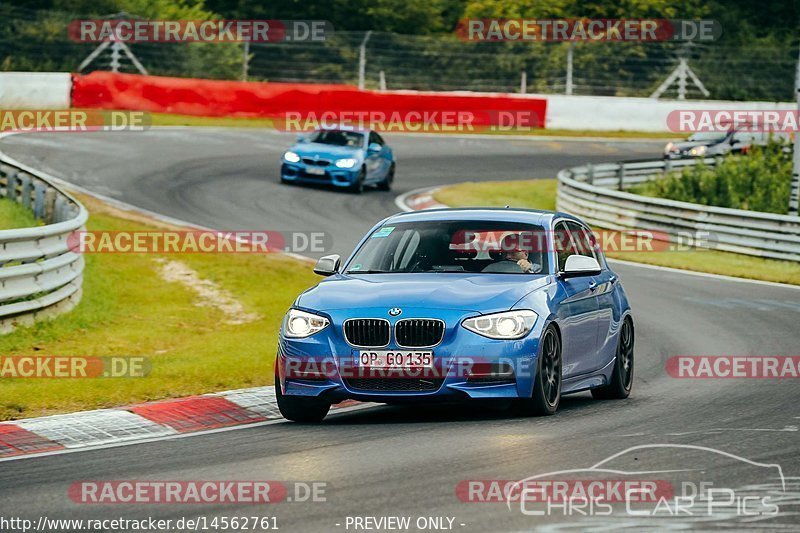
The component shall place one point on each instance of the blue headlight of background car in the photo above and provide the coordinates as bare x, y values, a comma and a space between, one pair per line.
299, 324
508, 325
346, 163
291, 157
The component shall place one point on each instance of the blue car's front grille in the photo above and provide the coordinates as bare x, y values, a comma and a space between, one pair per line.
316, 162
367, 332
394, 384
418, 333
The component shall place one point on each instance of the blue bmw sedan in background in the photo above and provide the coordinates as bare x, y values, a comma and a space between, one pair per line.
458, 304
347, 158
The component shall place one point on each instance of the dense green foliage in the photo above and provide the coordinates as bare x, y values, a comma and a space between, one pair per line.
758, 181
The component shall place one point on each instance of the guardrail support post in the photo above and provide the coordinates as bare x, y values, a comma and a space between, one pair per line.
38, 204
11, 186
49, 205
590, 174
621, 176
25, 180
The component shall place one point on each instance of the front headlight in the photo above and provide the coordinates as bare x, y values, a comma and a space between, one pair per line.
291, 157
698, 150
299, 324
346, 163
508, 325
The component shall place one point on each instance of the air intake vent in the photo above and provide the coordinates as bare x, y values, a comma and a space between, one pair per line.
418, 333
367, 332
394, 384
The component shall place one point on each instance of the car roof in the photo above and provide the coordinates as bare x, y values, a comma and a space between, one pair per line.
508, 214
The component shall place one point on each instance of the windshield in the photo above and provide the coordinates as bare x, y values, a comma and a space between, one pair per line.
338, 138
453, 246
708, 136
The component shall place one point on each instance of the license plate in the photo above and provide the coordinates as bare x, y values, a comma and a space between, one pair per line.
395, 359
315, 170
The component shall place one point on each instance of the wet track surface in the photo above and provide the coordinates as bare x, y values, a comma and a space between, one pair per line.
408, 461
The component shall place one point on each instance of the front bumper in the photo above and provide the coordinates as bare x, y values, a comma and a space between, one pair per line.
298, 172
466, 365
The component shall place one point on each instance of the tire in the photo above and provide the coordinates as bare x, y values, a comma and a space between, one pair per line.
622, 375
546, 395
300, 409
386, 184
358, 186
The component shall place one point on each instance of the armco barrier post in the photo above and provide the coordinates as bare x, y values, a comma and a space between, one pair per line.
621, 176
590, 174
25, 191
38, 203
11, 186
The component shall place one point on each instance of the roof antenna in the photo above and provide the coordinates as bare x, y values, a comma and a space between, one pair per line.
507, 207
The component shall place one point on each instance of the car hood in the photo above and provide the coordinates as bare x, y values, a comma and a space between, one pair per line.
329, 151
482, 293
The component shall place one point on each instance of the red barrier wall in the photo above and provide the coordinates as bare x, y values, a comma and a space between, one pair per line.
107, 90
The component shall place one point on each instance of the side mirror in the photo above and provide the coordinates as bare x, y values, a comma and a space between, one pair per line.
580, 265
374, 148
301, 138
328, 265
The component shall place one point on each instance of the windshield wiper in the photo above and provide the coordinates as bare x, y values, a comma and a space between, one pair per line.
369, 271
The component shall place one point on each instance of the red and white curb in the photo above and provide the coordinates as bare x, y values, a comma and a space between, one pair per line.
138, 423
419, 199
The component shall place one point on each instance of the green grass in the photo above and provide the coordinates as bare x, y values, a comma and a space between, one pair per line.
541, 194
127, 309
14, 215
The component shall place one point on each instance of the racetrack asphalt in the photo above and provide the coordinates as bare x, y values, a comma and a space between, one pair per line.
408, 461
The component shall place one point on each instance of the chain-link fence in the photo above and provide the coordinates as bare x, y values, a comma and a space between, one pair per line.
37, 40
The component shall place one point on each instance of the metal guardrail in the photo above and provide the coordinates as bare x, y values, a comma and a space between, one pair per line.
596, 193
39, 275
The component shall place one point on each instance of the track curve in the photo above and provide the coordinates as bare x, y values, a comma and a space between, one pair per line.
406, 461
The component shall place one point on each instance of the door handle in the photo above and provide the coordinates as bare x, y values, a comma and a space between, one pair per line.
592, 285
612, 279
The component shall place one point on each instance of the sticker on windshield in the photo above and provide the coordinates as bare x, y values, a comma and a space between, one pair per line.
383, 232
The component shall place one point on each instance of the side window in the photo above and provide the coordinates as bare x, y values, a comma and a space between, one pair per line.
379, 139
373, 138
563, 244
583, 238
744, 137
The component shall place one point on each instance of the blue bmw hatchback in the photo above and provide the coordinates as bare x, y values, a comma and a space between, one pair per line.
344, 157
458, 304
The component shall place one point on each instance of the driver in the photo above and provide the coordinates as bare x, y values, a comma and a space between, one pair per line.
513, 259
